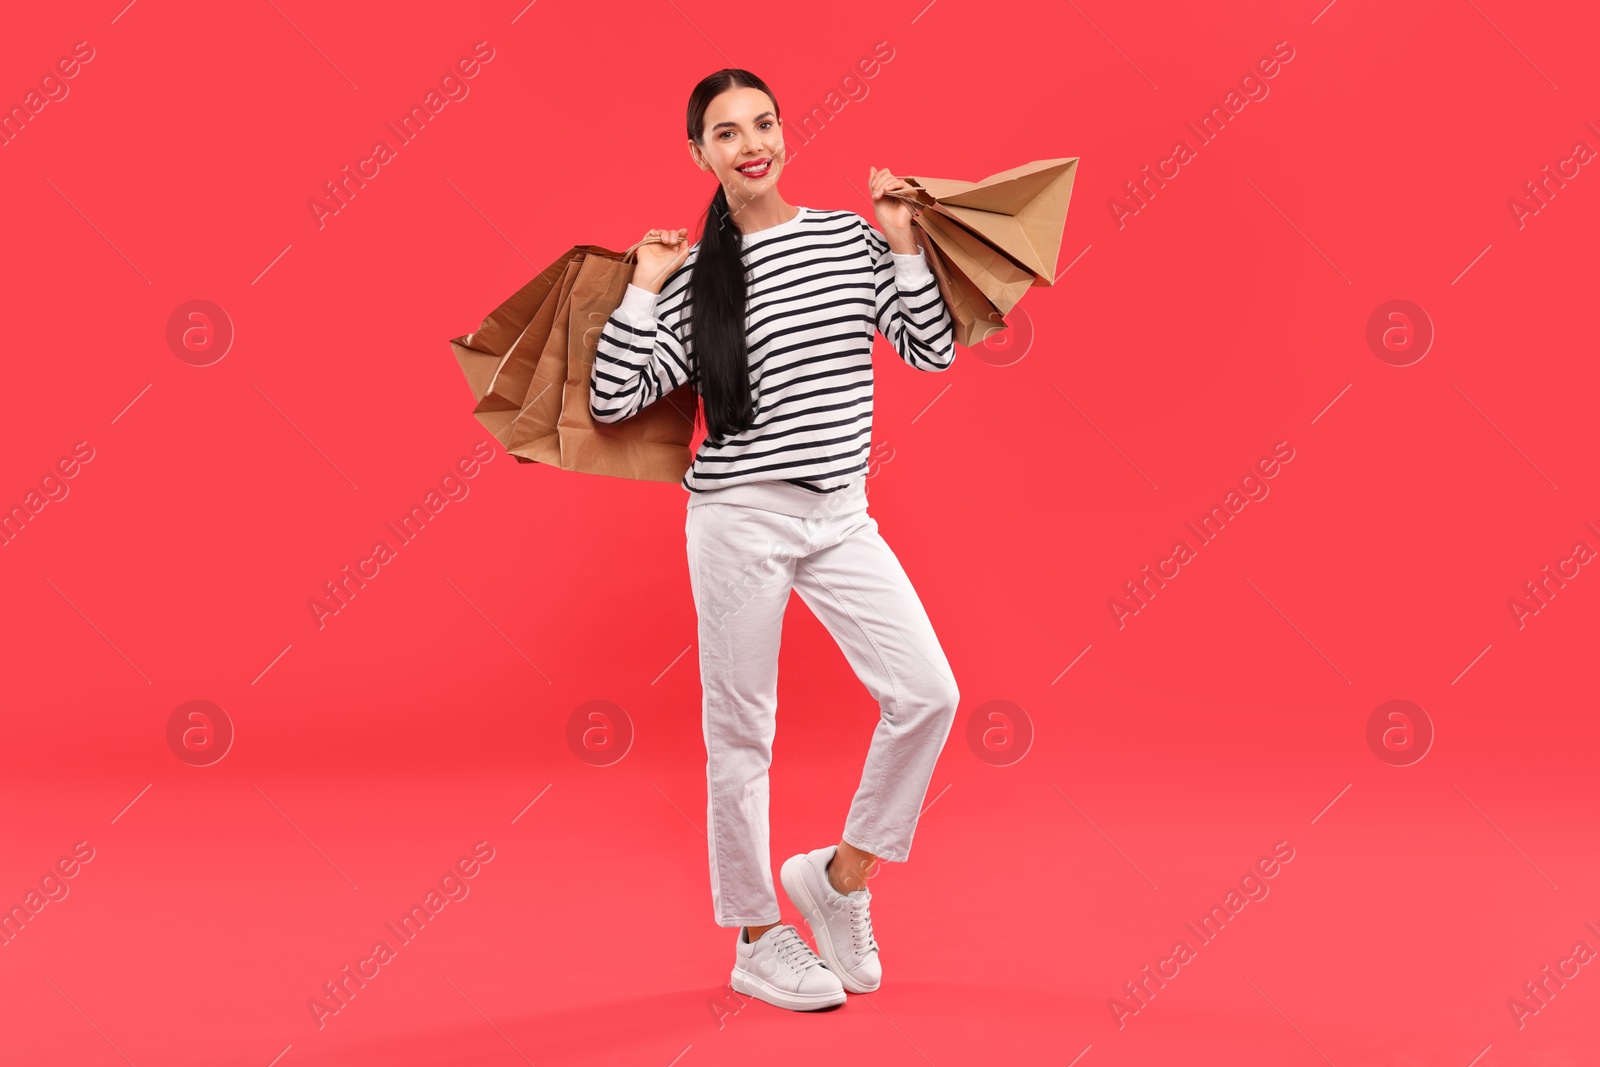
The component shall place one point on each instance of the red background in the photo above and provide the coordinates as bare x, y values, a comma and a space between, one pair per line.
1025, 487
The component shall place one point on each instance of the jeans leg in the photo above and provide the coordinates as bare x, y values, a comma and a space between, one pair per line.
741, 570
858, 590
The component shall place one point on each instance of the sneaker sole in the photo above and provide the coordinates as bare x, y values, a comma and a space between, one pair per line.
793, 876
754, 986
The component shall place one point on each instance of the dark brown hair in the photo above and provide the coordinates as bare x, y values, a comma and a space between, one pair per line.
718, 284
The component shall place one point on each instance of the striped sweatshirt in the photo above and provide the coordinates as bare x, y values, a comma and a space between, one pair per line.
820, 285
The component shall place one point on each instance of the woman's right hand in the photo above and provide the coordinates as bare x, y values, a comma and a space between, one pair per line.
662, 252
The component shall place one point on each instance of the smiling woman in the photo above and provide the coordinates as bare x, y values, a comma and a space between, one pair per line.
772, 316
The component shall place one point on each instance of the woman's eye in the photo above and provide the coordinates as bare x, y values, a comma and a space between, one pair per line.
725, 133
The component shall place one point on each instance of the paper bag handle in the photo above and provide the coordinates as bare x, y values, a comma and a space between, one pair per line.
910, 197
631, 254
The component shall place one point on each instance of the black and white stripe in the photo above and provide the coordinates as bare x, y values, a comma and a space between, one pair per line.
820, 286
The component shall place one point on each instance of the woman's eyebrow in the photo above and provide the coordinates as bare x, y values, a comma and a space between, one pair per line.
758, 118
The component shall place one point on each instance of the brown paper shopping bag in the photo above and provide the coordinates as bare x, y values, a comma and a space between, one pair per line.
988, 242
532, 435
499, 356
529, 366
651, 445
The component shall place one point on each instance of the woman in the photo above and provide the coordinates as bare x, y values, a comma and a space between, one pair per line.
771, 316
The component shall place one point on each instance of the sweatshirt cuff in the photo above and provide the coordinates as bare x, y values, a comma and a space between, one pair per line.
638, 304
912, 269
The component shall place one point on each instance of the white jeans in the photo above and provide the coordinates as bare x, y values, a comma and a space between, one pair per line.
743, 561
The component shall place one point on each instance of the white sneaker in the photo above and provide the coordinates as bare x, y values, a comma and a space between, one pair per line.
841, 923
780, 968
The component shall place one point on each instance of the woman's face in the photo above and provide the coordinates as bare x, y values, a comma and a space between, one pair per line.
741, 130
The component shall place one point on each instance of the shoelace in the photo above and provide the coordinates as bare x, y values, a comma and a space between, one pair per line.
792, 950
861, 925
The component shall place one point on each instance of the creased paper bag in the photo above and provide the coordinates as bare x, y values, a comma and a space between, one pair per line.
529, 366
988, 242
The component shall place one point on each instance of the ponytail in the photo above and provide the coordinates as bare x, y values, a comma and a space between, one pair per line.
719, 293
719, 285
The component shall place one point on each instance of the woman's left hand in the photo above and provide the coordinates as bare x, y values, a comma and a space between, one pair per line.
894, 214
